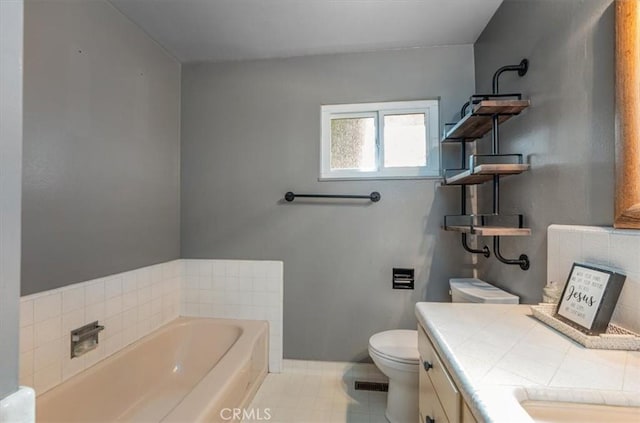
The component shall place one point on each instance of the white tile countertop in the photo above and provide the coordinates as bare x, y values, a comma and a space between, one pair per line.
499, 356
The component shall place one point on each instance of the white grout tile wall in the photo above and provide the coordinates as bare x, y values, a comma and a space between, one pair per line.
130, 305
616, 249
237, 289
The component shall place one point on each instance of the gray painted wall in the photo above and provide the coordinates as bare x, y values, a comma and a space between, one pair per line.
568, 132
101, 145
11, 38
250, 132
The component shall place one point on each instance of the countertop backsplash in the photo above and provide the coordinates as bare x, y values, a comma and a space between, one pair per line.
615, 249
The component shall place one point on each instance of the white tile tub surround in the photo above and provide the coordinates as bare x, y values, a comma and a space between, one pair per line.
237, 289
130, 305
616, 249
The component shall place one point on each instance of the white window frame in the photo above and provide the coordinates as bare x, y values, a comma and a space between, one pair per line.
379, 110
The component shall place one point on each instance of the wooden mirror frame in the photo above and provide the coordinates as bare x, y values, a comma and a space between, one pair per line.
627, 155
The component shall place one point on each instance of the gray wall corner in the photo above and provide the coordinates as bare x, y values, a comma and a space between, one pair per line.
567, 134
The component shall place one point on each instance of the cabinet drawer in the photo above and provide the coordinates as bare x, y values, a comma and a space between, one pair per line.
446, 390
429, 404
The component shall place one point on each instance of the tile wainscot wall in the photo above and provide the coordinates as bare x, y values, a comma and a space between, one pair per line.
237, 289
616, 249
133, 304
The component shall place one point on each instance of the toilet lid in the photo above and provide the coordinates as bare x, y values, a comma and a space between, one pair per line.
398, 345
477, 291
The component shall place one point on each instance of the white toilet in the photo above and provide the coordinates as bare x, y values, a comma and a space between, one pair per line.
395, 352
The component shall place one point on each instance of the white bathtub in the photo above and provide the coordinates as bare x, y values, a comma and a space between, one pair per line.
186, 371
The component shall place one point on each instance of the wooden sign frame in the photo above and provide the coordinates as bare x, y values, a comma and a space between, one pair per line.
589, 298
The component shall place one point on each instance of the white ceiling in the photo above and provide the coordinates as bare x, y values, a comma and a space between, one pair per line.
222, 30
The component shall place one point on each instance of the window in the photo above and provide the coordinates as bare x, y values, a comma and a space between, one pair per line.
380, 140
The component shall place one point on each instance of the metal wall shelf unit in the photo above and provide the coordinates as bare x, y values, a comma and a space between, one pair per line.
487, 112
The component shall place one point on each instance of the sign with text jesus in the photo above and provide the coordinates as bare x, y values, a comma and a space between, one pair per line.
589, 298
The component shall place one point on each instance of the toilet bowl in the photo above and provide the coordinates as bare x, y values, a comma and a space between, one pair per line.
395, 352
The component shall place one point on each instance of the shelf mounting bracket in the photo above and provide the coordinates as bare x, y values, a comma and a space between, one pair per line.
484, 251
522, 261
521, 68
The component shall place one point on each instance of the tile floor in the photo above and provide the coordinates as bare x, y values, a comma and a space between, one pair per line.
320, 392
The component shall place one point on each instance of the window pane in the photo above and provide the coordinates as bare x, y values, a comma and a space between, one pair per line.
353, 143
405, 142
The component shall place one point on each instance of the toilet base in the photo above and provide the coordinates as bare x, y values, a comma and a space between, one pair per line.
402, 402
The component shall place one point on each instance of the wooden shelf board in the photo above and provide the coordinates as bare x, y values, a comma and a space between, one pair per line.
467, 178
501, 169
484, 172
475, 125
501, 106
490, 230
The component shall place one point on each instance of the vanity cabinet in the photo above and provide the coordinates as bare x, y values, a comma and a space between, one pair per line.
440, 400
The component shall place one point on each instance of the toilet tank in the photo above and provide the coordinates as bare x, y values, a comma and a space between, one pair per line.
471, 290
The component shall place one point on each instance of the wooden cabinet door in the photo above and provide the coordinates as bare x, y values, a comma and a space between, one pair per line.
445, 388
429, 404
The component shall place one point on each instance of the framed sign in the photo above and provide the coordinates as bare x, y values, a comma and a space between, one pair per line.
589, 298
